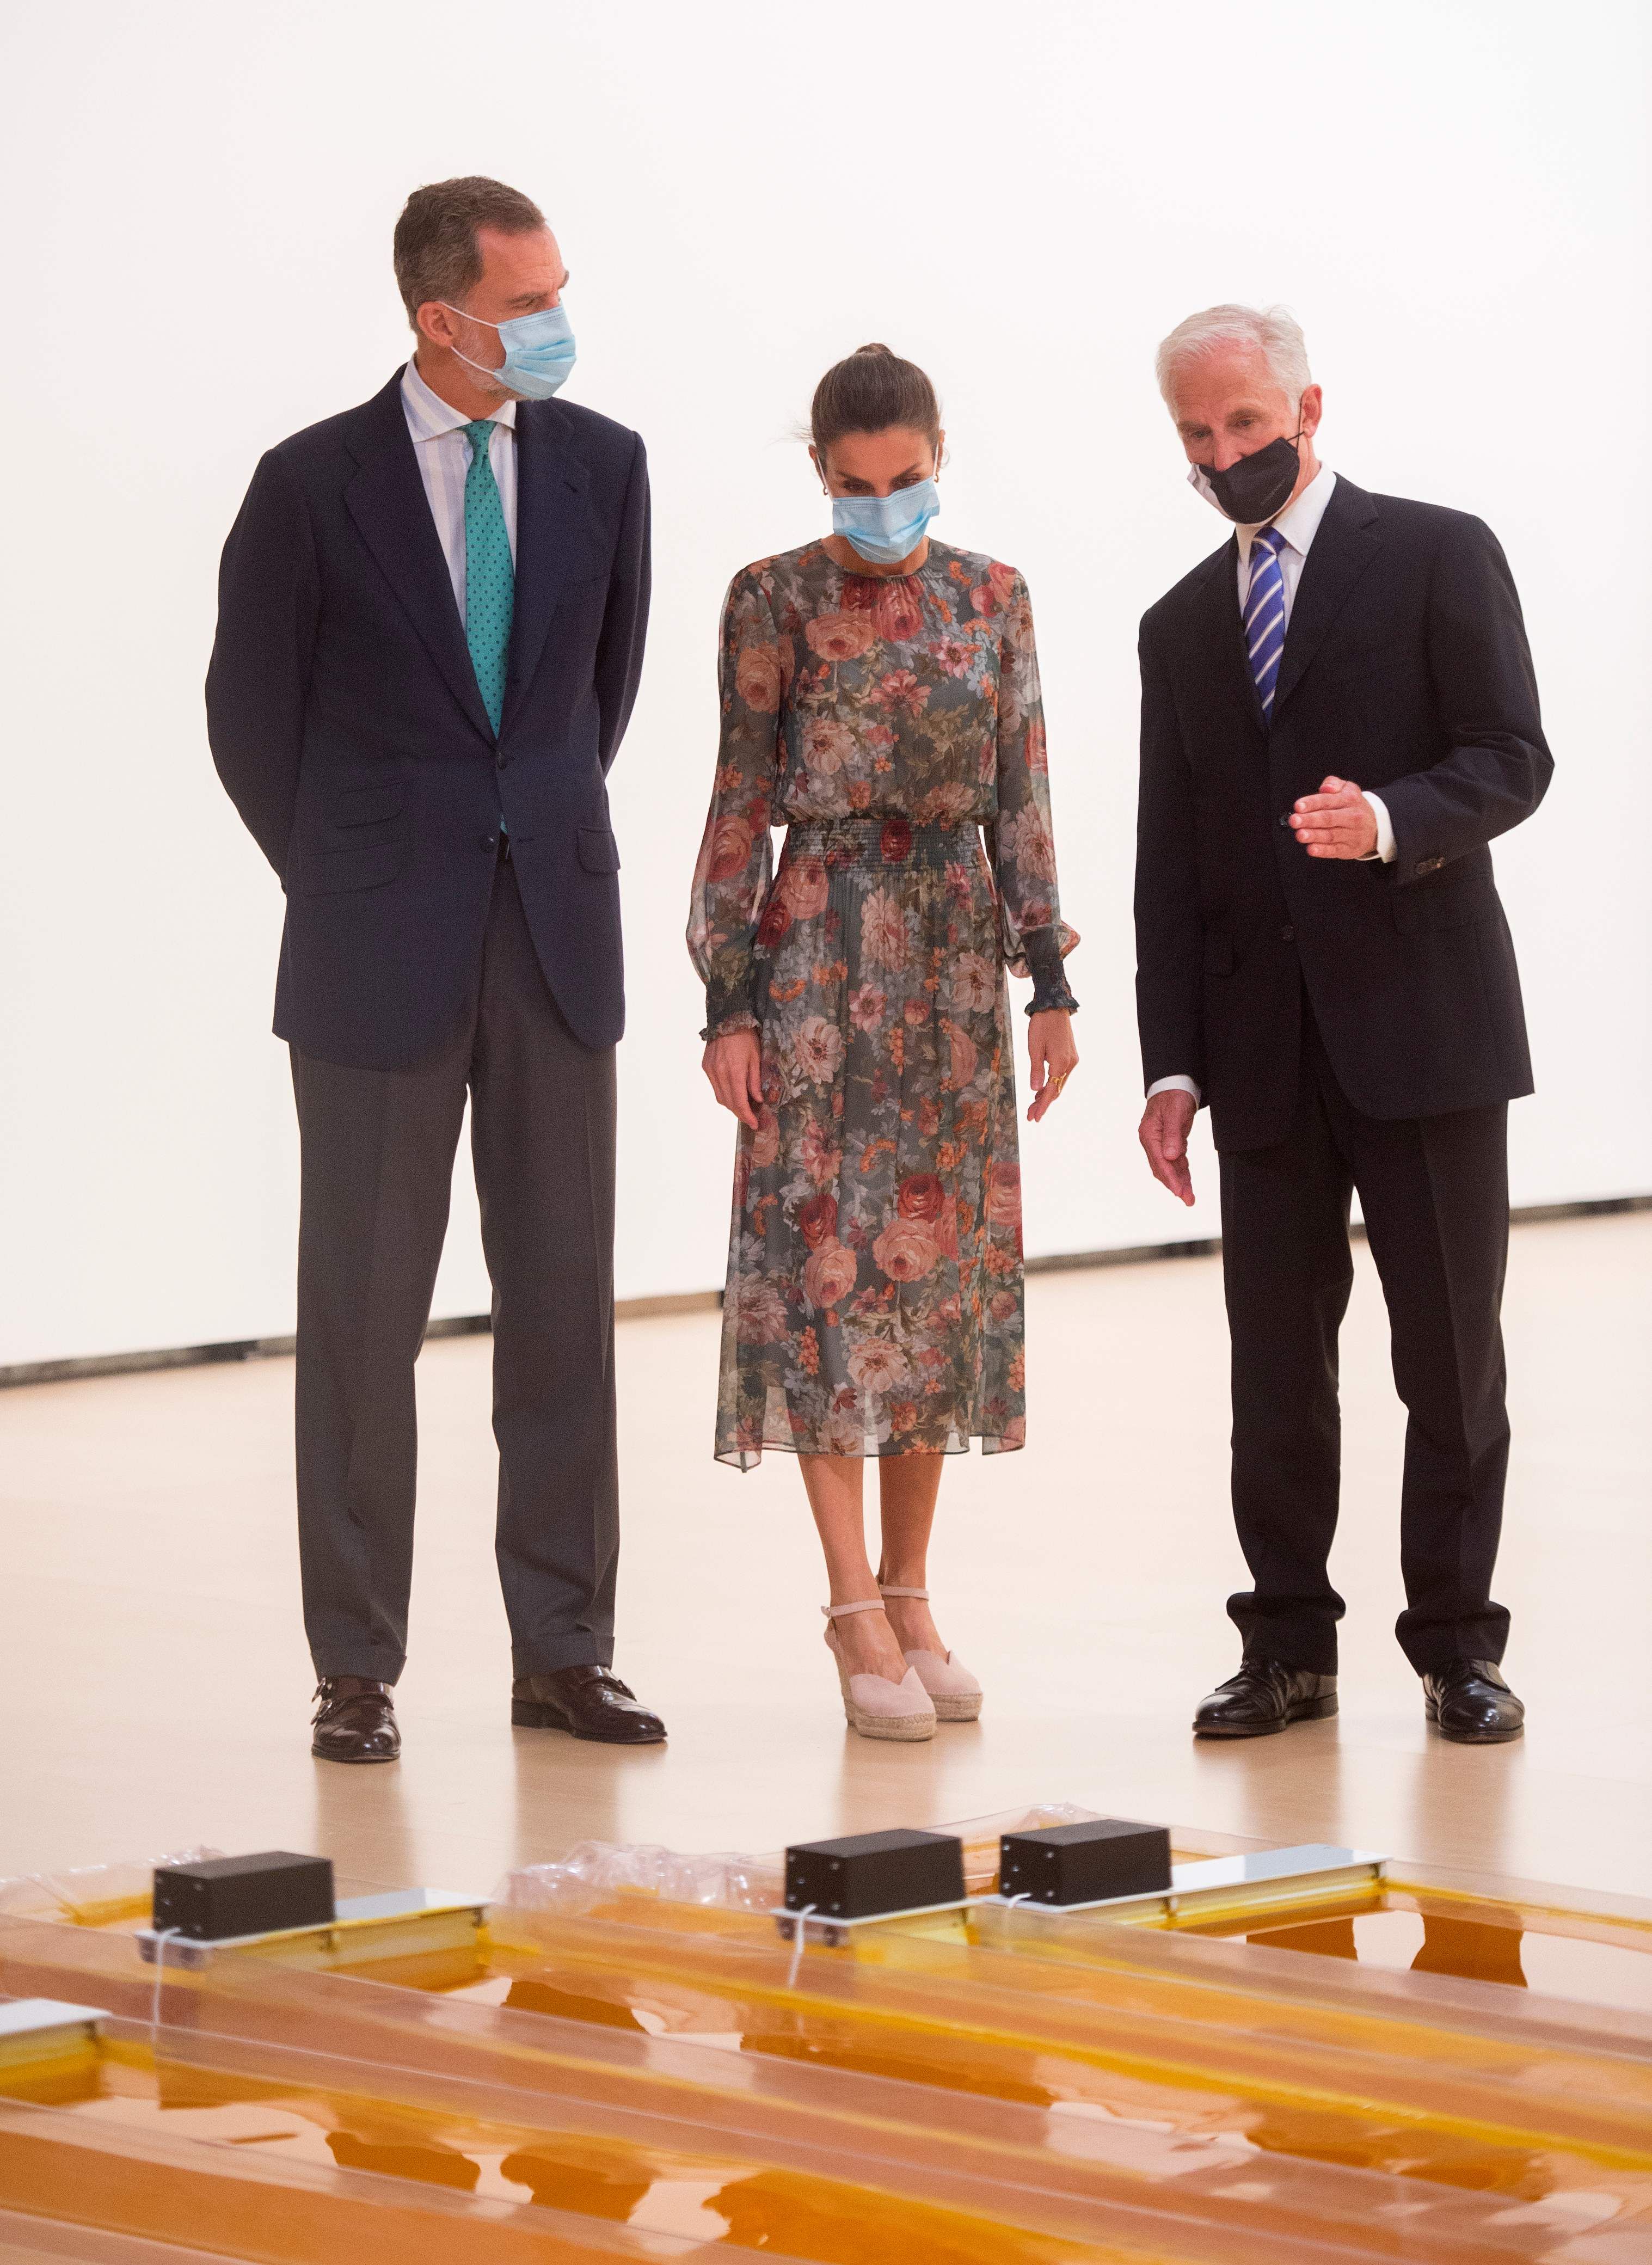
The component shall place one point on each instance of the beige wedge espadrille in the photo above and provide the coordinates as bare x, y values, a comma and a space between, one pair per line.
875, 1706
955, 1693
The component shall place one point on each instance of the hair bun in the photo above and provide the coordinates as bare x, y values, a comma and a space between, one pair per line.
872, 390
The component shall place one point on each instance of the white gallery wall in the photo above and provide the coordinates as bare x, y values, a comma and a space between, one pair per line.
1452, 195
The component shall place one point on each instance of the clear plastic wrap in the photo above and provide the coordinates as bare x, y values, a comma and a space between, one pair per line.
595, 1872
92, 1895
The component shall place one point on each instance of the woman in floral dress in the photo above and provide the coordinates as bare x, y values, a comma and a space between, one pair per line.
880, 699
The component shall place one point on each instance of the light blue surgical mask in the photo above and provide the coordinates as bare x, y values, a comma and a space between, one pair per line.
538, 351
885, 529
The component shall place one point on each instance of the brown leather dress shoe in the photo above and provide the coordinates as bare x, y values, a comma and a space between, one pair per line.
355, 1721
592, 1702
1265, 1696
1468, 1701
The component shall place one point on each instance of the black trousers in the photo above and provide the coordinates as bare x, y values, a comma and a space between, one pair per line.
378, 1150
1435, 1194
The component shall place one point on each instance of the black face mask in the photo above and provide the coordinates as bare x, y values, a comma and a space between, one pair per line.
1254, 488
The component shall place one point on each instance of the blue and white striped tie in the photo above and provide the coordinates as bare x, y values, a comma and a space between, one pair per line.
1264, 614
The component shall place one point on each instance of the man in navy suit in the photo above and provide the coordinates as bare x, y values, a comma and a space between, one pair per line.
431, 612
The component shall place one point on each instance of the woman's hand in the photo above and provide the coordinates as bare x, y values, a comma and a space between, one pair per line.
1053, 1056
734, 1064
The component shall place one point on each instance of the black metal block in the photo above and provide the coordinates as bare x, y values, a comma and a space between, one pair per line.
226, 1896
875, 1872
1085, 1863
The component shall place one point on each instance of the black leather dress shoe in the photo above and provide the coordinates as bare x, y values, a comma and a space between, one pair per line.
590, 1701
355, 1721
1265, 1696
1468, 1700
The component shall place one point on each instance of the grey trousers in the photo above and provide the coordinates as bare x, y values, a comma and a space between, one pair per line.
378, 1149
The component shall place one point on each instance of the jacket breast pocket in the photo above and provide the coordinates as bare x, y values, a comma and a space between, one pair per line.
598, 851
357, 865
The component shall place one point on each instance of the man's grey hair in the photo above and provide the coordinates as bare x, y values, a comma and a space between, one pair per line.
1274, 332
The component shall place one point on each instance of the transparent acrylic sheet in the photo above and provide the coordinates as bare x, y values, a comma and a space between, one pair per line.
238, 2203
212, 2097
30, 2241
1170, 2167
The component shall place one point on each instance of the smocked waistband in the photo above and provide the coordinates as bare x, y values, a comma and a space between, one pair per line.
881, 841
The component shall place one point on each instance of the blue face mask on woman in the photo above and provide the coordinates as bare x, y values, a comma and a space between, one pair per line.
538, 351
885, 529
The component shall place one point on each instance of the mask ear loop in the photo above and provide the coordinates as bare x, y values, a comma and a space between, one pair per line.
465, 314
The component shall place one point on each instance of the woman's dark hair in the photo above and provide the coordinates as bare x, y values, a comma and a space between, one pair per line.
869, 391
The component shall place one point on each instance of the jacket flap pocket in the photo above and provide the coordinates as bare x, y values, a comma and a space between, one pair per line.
598, 851
364, 805
1444, 901
1218, 955
357, 865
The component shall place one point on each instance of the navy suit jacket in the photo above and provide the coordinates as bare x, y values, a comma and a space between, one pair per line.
1405, 667
347, 724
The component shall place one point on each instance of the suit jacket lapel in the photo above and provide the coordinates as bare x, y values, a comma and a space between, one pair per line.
550, 513
387, 500
1225, 628
1347, 541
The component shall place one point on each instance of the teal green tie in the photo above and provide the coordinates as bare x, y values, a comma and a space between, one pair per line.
489, 579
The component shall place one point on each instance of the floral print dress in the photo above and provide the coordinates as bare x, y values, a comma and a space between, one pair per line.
874, 1300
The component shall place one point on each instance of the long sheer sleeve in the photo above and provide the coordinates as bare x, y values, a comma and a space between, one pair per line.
1036, 937
732, 879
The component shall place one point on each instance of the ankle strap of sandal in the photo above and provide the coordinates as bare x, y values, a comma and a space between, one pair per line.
888, 1589
837, 1611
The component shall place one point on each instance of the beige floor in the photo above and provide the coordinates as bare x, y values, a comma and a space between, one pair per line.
154, 1682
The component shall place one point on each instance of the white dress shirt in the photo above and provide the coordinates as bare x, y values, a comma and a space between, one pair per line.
444, 459
1299, 523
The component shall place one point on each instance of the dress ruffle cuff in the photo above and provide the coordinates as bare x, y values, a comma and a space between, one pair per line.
1042, 952
728, 1005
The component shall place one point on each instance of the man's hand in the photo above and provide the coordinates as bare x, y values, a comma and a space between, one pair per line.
1166, 1123
734, 1064
1336, 822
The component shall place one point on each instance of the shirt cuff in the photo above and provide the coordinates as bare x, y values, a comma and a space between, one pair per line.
1385, 848
1175, 1085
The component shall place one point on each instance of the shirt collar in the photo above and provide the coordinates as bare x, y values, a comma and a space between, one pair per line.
429, 416
1299, 522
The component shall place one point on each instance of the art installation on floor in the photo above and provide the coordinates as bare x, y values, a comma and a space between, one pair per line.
1032, 2038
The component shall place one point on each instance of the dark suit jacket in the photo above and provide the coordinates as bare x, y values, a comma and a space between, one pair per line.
347, 724
1406, 669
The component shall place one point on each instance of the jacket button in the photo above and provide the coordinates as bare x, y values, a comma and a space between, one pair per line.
1287, 936
1285, 818
490, 842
